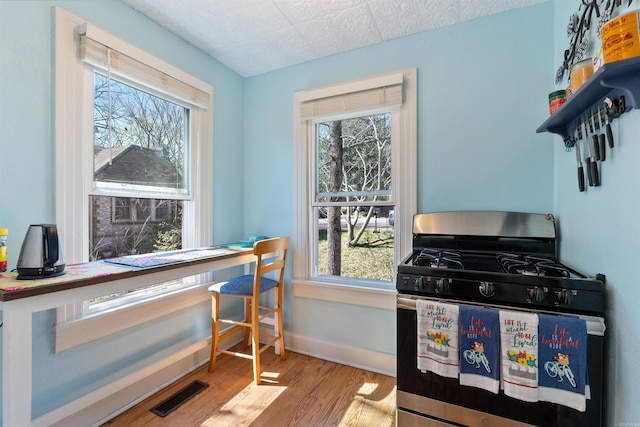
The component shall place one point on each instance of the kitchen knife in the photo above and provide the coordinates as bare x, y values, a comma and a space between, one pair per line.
579, 160
594, 137
603, 146
588, 158
594, 172
608, 127
593, 164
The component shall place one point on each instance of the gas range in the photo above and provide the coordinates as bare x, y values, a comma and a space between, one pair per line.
504, 258
501, 261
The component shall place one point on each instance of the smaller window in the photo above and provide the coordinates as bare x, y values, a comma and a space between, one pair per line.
141, 210
122, 209
163, 209
353, 190
363, 194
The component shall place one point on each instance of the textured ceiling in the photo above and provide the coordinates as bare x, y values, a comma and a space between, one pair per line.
256, 36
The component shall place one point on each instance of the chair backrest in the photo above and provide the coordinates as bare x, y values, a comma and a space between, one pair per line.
263, 250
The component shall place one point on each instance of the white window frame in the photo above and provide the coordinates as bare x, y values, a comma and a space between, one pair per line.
74, 177
404, 184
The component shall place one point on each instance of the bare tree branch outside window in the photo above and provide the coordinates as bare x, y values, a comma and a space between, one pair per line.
354, 176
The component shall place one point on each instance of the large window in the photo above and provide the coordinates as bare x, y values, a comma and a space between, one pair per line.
133, 169
355, 146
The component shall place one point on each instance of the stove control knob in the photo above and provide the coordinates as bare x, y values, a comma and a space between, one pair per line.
561, 297
418, 283
535, 294
487, 289
441, 285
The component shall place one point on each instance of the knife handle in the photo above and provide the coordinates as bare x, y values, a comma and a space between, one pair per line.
580, 177
596, 147
589, 172
609, 135
594, 173
603, 148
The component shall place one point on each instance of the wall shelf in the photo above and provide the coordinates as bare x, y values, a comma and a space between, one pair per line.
610, 80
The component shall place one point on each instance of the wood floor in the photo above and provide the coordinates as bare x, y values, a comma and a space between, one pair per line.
299, 391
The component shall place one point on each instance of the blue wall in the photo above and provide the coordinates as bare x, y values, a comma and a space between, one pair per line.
600, 232
482, 91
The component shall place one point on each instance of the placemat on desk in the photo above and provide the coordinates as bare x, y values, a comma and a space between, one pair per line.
244, 244
238, 245
164, 258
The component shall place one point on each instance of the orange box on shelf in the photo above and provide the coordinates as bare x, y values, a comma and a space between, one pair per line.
621, 37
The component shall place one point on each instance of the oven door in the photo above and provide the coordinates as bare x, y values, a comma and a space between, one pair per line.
441, 400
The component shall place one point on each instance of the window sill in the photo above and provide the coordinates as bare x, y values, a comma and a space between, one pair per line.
366, 296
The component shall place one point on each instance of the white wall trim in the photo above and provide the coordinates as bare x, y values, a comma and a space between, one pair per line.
346, 294
383, 80
382, 363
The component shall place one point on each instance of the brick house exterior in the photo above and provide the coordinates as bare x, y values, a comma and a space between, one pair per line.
125, 225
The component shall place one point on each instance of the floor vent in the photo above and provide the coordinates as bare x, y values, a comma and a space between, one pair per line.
175, 401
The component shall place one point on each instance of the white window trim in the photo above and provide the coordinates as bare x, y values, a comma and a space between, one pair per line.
74, 175
404, 183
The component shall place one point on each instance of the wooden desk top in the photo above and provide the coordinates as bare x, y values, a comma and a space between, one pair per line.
92, 273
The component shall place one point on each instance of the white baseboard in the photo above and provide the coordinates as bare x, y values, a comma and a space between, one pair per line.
98, 407
382, 363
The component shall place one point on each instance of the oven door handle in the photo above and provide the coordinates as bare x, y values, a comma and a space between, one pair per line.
595, 325
407, 303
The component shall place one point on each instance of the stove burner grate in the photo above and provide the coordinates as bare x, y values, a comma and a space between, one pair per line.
529, 265
436, 258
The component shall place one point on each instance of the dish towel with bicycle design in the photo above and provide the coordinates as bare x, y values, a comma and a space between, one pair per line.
479, 347
519, 344
562, 350
438, 338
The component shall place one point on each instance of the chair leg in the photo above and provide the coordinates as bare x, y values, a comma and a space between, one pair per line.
255, 340
278, 324
215, 331
247, 319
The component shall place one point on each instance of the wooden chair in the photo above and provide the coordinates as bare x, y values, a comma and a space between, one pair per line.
271, 255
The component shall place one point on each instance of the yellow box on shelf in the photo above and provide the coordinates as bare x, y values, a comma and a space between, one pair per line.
621, 37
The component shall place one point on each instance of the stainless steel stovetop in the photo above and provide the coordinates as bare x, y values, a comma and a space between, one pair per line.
506, 258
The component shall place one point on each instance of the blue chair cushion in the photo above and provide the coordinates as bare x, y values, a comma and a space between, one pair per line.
242, 285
